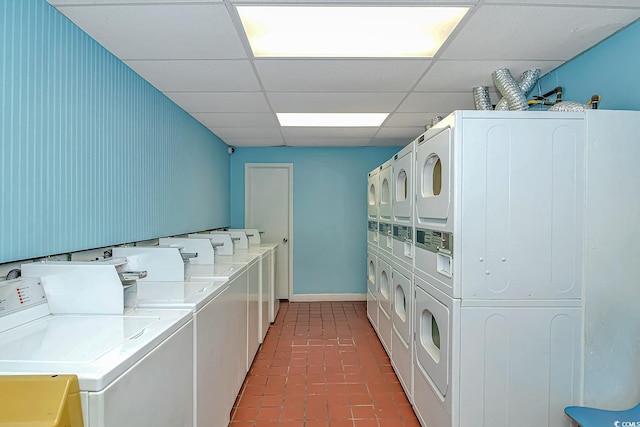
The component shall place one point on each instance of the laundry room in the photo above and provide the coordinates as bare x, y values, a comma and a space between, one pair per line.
150, 149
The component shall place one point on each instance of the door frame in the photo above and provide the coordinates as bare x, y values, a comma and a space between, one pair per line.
247, 197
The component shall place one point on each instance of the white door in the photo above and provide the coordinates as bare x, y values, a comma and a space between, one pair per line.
269, 208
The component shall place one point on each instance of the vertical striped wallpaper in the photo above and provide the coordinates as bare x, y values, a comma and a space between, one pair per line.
90, 153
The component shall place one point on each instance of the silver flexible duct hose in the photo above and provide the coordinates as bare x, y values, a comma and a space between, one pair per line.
569, 106
481, 98
515, 96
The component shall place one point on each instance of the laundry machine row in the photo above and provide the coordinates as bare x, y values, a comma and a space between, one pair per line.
521, 301
390, 291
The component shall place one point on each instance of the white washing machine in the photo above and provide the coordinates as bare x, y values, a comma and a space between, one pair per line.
402, 295
402, 211
252, 262
265, 285
384, 272
219, 371
372, 288
133, 370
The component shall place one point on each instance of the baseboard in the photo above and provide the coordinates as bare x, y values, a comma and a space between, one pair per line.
327, 297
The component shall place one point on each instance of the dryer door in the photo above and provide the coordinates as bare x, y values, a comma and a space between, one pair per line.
372, 277
402, 305
403, 186
373, 197
385, 192
432, 323
384, 286
433, 172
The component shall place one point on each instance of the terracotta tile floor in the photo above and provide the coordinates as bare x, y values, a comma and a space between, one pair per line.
322, 365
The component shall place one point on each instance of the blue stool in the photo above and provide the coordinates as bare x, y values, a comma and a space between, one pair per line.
592, 417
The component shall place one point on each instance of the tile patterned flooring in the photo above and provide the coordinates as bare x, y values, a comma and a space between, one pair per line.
322, 365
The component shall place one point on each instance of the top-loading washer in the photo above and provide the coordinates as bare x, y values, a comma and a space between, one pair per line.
121, 360
402, 206
219, 370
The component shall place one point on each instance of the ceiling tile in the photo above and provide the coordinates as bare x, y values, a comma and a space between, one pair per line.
305, 102
465, 75
224, 120
231, 75
411, 119
255, 142
310, 75
326, 142
160, 31
220, 102
535, 32
328, 132
437, 101
246, 132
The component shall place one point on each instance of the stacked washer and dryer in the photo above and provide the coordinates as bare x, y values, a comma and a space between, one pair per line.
390, 260
521, 266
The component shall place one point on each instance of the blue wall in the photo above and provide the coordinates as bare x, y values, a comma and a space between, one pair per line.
90, 153
610, 69
329, 211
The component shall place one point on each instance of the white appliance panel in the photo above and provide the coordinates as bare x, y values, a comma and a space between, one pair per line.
516, 361
149, 393
522, 200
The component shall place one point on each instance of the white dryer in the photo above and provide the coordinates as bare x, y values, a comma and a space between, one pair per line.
384, 272
472, 360
133, 370
402, 207
372, 288
402, 295
219, 371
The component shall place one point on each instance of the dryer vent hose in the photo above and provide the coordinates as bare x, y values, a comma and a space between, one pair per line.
514, 94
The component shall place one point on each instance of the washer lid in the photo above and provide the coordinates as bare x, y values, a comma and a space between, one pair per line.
97, 348
183, 295
221, 270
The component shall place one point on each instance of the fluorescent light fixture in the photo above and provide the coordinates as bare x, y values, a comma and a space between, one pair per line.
332, 119
335, 31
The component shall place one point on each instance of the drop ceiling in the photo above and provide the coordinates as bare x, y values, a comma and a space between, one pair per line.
196, 53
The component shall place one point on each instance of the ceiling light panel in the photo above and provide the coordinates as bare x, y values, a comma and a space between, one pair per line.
331, 119
305, 31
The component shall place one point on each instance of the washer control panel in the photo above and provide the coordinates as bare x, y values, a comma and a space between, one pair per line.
20, 294
373, 226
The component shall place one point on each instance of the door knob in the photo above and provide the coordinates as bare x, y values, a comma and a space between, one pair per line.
285, 240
